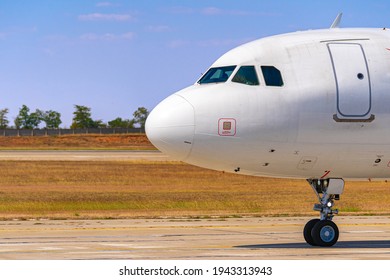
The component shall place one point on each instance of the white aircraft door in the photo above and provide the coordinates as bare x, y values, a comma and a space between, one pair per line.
352, 81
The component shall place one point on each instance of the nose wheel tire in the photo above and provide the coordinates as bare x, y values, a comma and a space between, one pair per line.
321, 233
307, 231
325, 233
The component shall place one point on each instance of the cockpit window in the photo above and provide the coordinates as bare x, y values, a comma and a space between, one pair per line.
272, 76
217, 75
246, 75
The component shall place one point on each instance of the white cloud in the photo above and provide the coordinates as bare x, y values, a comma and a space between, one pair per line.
214, 11
158, 28
106, 17
127, 36
89, 36
209, 43
56, 38
211, 11
105, 4
107, 36
180, 10
216, 42
249, 13
178, 44
17, 30
223, 42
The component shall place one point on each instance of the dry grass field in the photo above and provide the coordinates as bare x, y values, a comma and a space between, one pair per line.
77, 142
118, 189
55, 189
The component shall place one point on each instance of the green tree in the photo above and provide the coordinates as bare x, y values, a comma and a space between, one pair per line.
35, 118
26, 120
3, 118
82, 118
120, 123
22, 118
52, 119
98, 124
140, 116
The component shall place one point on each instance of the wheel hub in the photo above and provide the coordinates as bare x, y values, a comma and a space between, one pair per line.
327, 234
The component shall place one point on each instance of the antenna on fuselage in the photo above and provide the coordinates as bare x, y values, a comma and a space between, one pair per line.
336, 22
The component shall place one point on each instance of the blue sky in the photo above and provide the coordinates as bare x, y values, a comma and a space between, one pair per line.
115, 56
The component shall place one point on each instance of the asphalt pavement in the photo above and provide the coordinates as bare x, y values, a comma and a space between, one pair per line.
216, 239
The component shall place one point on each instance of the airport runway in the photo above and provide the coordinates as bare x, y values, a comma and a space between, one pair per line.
233, 238
83, 155
241, 238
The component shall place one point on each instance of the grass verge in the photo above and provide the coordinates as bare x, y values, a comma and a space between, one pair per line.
69, 190
77, 142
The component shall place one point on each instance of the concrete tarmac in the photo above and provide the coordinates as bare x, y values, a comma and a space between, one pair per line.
232, 238
241, 238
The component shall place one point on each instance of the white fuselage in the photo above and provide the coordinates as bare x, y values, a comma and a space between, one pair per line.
329, 118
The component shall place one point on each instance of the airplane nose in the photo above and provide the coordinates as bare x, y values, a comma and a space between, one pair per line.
171, 126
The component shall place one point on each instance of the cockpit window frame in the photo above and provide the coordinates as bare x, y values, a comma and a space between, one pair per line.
227, 72
245, 78
272, 76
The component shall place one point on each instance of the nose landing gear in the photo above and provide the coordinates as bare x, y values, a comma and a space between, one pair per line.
323, 232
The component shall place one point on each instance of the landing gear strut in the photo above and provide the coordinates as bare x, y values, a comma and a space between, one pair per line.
323, 232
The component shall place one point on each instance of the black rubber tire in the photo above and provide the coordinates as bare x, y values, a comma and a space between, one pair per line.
325, 233
307, 231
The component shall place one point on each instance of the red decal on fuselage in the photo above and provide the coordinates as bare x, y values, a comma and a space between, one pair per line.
326, 174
